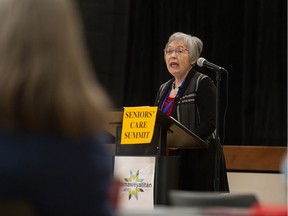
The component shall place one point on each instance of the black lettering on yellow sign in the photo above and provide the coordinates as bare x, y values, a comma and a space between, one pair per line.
135, 135
139, 114
141, 124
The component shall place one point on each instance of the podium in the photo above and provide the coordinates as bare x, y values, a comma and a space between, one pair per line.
168, 133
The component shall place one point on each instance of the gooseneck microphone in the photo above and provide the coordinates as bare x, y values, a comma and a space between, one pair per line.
202, 62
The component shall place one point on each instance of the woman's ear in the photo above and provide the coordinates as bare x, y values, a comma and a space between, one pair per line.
193, 63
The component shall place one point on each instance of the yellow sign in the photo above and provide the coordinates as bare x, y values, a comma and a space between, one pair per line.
138, 125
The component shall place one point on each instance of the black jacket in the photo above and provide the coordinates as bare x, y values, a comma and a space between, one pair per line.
195, 108
195, 105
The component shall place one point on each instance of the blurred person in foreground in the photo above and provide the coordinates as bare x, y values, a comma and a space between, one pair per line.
51, 112
190, 97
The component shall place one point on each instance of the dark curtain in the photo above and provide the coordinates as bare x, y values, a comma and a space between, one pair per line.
106, 30
247, 37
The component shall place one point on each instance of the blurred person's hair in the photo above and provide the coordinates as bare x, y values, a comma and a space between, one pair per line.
46, 79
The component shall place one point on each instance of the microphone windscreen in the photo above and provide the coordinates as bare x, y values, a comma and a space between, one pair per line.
200, 61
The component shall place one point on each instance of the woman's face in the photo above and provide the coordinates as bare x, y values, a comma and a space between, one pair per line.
177, 59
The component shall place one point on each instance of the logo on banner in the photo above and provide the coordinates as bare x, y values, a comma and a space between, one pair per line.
134, 185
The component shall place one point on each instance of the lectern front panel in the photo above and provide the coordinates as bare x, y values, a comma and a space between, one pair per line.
145, 149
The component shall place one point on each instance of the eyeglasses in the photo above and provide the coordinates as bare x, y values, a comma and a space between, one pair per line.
178, 51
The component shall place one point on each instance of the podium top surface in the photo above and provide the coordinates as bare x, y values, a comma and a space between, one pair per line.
178, 136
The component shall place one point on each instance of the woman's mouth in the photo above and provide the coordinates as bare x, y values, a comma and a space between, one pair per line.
174, 65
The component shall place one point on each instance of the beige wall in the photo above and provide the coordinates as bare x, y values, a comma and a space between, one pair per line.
269, 188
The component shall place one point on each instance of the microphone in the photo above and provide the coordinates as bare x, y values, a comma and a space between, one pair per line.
202, 62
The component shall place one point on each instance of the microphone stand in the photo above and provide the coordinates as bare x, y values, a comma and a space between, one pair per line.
218, 149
